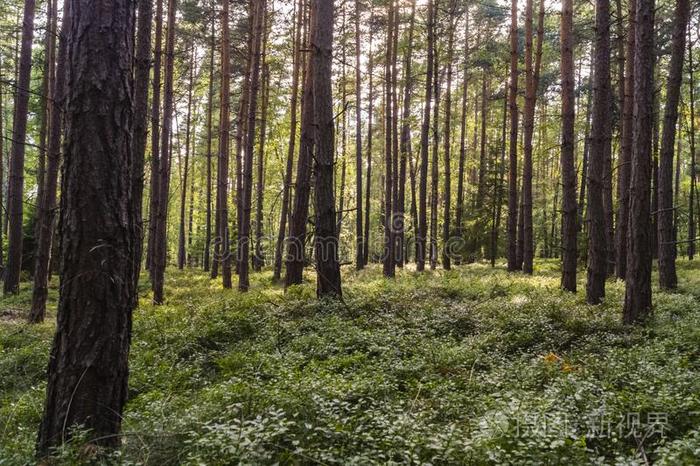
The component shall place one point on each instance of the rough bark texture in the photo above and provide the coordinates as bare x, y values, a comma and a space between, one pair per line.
568, 170
15, 190
597, 249
47, 208
667, 244
513, 143
326, 236
88, 368
638, 276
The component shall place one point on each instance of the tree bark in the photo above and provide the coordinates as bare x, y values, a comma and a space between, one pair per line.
15, 190
88, 369
47, 206
434, 169
459, 211
370, 114
513, 143
210, 109
181, 243
155, 139
160, 240
693, 168
389, 255
359, 235
667, 244
424, 142
597, 249
446, 200
326, 236
568, 171
637, 304
258, 256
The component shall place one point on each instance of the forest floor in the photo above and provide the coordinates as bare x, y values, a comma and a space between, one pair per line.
471, 366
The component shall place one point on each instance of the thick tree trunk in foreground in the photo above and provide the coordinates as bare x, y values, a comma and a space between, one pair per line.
638, 277
422, 232
667, 244
597, 249
568, 170
47, 207
326, 236
15, 190
513, 143
88, 368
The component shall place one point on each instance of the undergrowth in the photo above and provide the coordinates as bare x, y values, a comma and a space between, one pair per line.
470, 366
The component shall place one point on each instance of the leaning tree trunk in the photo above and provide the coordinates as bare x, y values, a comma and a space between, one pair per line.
568, 169
597, 249
513, 143
667, 243
47, 206
326, 236
15, 190
88, 369
638, 277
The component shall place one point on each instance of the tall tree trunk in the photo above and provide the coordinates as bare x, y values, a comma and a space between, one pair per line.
291, 146
370, 114
638, 276
296, 243
155, 139
582, 223
2, 170
326, 236
434, 169
247, 180
88, 369
47, 206
424, 143
624, 164
258, 257
181, 247
597, 249
459, 211
568, 169
389, 256
359, 236
693, 178
210, 110
667, 244
160, 242
513, 143
15, 190
446, 200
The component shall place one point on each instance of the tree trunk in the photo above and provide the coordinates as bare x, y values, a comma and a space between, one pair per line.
667, 243
359, 236
258, 257
15, 190
434, 169
291, 147
446, 200
210, 109
693, 178
422, 233
297, 226
370, 113
597, 249
47, 206
160, 240
624, 164
88, 369
459, 211
568, 169
389, 256
181, 248
155, 139
513, 144
326, 236
638, 275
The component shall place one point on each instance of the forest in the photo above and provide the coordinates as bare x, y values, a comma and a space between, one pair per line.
349, 232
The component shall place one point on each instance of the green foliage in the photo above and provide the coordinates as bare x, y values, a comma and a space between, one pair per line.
471, 366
